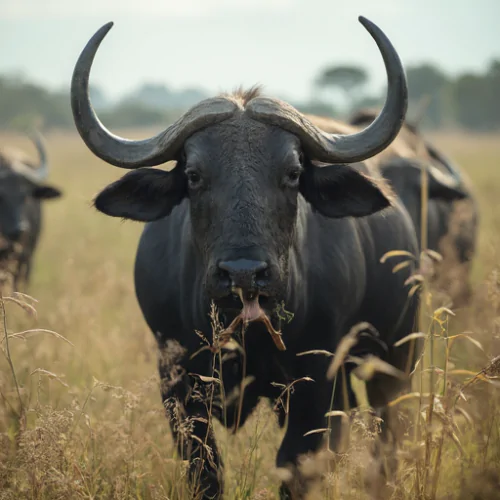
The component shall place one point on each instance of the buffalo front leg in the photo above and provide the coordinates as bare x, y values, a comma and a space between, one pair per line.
188, 407
304, 436
381, 390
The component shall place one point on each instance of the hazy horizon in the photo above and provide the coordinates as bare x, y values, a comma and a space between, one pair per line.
218, 44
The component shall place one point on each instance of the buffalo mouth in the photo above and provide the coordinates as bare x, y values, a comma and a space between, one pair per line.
251, 307
8, 248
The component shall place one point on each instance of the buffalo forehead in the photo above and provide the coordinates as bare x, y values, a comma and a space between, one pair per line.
242, 138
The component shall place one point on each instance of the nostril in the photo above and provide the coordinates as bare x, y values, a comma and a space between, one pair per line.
262, 276
14, 234
243, 266
223, 276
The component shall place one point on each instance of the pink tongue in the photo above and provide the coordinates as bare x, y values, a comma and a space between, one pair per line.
251, 310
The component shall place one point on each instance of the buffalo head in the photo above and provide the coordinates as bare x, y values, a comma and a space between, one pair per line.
21, 184
248, 166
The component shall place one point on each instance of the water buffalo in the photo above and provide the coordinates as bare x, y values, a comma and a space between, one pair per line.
264, 214
452, 209
22, 189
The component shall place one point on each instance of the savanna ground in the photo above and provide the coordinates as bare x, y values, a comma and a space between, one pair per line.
87, 421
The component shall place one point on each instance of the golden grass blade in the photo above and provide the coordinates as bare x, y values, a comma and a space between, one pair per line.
407, 397
50, 375
411, 336
337, 413
372, 365
443, 310
413, 290
414, 278
316, 431
200, 350
24, 296
436, 256
396, 253
345, 345
457, 442
466, 415
401, 265
462, 372
315, 351
467, 337
207, 380
28, 333
340, 354
23, 305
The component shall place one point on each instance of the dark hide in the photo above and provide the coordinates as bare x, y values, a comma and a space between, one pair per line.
452, 210
20, 220
405, 176
243, 190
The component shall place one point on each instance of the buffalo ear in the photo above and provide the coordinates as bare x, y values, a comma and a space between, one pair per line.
407, 174
144, 195
341, 191
441, 188
45, 192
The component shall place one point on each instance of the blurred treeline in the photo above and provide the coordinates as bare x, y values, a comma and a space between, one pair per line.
468, 101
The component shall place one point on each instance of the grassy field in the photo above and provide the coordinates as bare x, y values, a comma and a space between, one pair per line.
94, 425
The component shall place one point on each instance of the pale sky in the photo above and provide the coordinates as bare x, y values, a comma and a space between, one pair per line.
220, 44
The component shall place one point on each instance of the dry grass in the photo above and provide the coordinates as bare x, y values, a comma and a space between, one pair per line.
85, 419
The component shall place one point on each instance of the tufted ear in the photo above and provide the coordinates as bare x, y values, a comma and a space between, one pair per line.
440, 188
342, 191
143, 195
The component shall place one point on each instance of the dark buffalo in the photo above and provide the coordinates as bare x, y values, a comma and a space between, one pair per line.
261, 210
22, 189
452, 209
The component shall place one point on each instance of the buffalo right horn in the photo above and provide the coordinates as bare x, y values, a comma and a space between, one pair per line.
336, 148
143, 153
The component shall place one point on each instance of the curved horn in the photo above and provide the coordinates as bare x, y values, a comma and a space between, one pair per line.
43, 167
133, 154
27, 169
335, 148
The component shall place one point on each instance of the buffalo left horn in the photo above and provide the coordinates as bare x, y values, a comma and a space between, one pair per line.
42, 171
35, 174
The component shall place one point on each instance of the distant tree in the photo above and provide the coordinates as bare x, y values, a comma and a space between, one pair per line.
316, 107
162, 97
24, 104
350, 80
134, 114
427, 81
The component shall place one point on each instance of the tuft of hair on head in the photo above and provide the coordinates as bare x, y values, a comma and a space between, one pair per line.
243, 96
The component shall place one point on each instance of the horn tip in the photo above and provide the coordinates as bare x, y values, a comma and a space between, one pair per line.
107, 27
364, 21
103, 31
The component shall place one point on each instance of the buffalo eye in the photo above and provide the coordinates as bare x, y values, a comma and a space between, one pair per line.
194, 179
301, 157
182, 157
292, 177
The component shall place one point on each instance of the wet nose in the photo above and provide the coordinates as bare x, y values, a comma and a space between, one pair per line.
245, 274
14, 234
